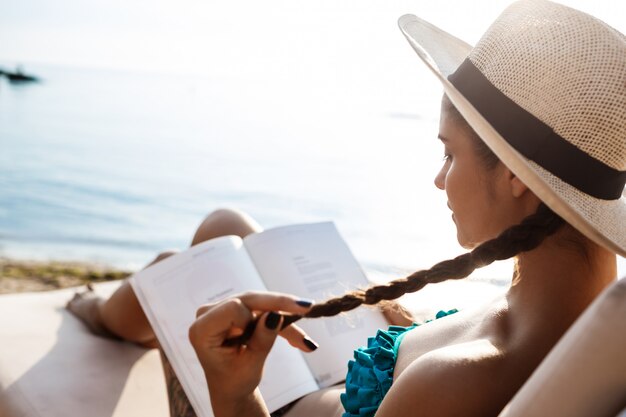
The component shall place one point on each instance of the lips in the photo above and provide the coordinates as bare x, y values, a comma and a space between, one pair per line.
448, 204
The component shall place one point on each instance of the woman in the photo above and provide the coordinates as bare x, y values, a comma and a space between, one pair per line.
533, 128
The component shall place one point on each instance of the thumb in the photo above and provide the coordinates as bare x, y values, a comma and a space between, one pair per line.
265, 333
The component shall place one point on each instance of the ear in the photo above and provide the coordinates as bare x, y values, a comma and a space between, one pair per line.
518, 188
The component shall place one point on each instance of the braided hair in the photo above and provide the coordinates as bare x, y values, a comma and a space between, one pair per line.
522, 237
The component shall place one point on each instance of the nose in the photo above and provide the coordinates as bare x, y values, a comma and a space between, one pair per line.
440, 179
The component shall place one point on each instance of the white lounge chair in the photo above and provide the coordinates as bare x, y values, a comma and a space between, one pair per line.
50, 365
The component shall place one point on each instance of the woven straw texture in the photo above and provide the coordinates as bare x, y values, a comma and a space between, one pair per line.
569, 70
566, 68
571, 73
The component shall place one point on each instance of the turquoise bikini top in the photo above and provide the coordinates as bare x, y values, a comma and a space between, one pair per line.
370, 374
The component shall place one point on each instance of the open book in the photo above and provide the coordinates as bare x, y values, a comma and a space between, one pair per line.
310, 260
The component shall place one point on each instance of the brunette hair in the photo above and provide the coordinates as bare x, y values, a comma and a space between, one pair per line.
522, 237
519, 238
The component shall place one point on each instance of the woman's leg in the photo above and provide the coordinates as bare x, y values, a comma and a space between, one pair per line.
121, 314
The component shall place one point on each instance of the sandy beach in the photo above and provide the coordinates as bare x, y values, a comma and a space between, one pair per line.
27, 275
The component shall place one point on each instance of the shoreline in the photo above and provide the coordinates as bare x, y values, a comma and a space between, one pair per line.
18, 275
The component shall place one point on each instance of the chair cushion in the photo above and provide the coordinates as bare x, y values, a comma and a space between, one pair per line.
585, 373
51, 365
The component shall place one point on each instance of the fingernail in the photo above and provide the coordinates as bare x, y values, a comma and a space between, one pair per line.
271, 322
310, 344
304, 303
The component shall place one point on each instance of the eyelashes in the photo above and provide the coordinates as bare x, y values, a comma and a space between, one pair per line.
447, 155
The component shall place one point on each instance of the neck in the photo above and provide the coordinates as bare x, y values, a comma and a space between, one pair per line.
559, 279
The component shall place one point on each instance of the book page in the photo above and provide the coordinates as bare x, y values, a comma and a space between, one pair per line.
313, 261
171, 291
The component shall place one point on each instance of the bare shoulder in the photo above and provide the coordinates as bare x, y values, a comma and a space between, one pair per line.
465, 379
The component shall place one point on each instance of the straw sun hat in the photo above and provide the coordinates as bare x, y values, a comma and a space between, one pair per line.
545, 88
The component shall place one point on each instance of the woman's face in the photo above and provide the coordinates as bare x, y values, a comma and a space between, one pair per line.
480, 197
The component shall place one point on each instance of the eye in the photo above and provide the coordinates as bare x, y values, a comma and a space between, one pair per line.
447, 156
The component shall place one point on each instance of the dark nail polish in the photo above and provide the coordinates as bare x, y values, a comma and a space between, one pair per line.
304, 303
271, 322
310, 344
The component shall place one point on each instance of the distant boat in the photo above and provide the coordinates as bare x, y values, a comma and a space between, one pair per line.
18, 76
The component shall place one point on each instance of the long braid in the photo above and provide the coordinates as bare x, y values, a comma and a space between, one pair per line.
519, 238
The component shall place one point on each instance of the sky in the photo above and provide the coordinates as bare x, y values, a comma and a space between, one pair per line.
235, 38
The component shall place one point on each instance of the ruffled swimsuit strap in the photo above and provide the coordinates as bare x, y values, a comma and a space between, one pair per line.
370, 374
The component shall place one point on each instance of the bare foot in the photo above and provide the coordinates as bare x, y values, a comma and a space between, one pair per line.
86, 306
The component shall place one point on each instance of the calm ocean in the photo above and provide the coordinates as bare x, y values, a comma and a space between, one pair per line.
113, 166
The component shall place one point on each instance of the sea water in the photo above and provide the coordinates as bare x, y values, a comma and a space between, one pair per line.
114, 167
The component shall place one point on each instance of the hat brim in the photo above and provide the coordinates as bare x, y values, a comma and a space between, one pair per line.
600, 220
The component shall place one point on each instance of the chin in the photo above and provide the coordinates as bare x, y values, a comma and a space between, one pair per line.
462, 241
468, 246
465, 243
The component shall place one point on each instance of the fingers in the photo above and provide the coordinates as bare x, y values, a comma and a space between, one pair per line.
215, 322
266, 301
298, 338
273, 301
396, 313
203, 309
240, 365
265, 333
269, 327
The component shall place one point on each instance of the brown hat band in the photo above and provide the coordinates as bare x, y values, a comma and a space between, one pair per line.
535, 139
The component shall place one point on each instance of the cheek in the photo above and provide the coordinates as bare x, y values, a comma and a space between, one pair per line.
465, 196
454, 184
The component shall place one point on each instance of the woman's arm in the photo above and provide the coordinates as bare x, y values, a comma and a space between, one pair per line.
233, 373
459, 380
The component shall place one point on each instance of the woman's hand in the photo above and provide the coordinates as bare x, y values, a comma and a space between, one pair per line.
233, 373
396, 313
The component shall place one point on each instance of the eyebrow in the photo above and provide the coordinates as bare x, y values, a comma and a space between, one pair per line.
441, 138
